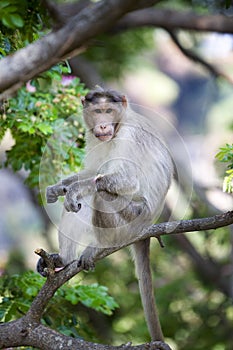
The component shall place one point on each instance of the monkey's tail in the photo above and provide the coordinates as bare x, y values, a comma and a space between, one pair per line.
141, 252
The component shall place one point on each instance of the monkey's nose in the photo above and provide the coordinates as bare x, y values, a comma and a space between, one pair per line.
103, 126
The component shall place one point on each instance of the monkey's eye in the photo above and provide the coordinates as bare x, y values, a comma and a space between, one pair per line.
109, 110
98, 111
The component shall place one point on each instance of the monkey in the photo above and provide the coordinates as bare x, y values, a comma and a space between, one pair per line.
127, 172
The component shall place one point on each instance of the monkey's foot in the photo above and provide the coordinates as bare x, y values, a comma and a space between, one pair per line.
87, 259
55, 263
86, 263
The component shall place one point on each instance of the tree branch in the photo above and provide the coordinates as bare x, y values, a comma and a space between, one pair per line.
24, 332
41, 55
74, 35
197, 59
28, 331
156, 230
171, 19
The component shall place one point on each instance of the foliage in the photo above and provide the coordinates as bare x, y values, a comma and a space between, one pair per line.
20, 22
18, 291
9, 16
225, 155
93, 296
214, 5
25, 21
32, 117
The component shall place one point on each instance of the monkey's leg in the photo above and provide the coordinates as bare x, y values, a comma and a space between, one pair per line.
141, 251
112, 229
67, 248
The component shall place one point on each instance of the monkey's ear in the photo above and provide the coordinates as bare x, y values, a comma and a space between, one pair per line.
83, 100
124, 101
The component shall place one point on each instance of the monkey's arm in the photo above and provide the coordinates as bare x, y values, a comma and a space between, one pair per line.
115, 183
121, 183
60, 188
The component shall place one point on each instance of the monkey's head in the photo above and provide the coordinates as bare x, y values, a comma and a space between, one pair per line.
103, 110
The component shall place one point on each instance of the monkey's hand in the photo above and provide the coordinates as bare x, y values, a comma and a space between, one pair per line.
76, 191
53, 192
73, 194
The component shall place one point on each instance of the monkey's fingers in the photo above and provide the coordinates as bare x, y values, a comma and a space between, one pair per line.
86, 263
51, 195
72, 204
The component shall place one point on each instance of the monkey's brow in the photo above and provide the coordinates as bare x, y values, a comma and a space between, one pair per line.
97, 98
102, 105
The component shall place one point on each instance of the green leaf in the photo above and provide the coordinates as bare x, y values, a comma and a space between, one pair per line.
45, 128
12, 20
226, 156
96, 297
6, 20
228, 182
11, 9
4, 3
72, 297
32, 291
17, 20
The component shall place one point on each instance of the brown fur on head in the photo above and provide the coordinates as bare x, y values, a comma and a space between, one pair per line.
103, 110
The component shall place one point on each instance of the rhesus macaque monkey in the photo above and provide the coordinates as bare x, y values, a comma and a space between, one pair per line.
127, 173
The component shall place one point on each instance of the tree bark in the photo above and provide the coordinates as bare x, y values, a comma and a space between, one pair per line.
64, 43
104, 16
171, 19
24, 332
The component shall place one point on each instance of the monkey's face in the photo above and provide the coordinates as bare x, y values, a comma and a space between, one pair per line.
103, 118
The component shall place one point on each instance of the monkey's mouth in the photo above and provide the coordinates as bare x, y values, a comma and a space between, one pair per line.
104, 137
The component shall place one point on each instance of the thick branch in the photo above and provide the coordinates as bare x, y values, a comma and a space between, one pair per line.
171, 19
24, 332
99, 17
52, 48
